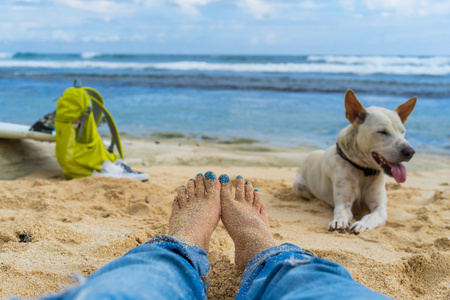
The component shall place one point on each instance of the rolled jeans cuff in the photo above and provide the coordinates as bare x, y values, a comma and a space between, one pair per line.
259, 260
197, 257
256, 273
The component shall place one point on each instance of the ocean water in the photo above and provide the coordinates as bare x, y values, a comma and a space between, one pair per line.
287, 101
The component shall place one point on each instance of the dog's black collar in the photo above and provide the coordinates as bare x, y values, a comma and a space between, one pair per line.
367, 171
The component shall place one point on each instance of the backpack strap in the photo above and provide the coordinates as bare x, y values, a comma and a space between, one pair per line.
97, 104
97, 111
80, 122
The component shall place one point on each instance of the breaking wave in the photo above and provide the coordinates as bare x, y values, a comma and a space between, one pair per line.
364, 65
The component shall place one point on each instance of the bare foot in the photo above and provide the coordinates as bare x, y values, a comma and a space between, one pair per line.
245, 218
196, 210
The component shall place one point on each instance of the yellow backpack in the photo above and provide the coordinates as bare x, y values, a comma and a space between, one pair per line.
79, 147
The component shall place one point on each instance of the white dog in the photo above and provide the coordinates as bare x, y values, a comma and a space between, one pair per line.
351, 171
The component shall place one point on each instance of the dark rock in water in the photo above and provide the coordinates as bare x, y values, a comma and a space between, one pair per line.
168, 135
208, 138
25, 237
239, 141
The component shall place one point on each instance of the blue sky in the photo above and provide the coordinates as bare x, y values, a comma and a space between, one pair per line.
373, 27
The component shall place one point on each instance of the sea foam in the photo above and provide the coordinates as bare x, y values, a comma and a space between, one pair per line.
89, 55
5, 55
365, 65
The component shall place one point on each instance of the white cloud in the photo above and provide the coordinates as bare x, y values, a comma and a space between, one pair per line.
269, 39
23, 4
190, 6
107, 9
280, 9
136, 37
26, 2
258, 8
409, 7
102, 6
101, 39
60, 35
349, 5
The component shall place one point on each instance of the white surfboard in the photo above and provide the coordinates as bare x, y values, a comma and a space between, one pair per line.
19, 131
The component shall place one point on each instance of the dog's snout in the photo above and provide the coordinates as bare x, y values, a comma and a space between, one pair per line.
408, 152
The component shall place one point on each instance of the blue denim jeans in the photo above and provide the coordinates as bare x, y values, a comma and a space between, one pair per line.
169, 268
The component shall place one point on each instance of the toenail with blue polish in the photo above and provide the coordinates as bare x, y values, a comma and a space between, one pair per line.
200, 175
247, 182
210, 176
256, 190
224, 178
192, 179
239, 177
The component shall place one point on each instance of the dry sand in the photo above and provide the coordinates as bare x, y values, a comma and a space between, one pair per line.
77, 226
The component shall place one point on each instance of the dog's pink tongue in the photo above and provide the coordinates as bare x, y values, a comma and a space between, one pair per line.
398, 171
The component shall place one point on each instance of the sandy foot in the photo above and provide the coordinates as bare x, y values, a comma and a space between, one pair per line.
245, 218
196, 210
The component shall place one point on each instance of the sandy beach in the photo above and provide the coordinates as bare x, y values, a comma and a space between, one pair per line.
78, 226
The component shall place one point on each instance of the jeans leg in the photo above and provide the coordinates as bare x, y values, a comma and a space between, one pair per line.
288, 272
163, 268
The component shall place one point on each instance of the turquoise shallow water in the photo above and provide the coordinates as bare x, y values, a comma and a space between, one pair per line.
287, 101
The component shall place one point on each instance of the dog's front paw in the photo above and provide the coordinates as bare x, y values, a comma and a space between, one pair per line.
340, 225
360, 226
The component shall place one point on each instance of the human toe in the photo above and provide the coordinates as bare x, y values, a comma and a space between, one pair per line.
249, 192
181, 196
257, 199
225, 187
240, 191
212, 185
199, 185
190, 189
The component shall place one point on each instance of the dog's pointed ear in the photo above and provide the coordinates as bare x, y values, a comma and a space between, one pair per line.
406, 109
354, 111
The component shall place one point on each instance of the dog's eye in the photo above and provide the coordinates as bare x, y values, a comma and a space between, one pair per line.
383, 132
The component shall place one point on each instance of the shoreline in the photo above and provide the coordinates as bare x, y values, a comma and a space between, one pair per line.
21, 157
